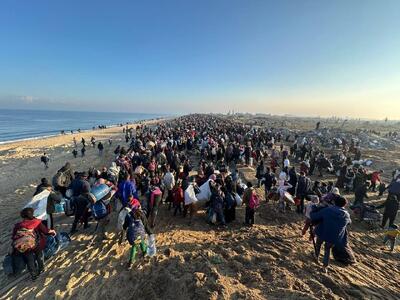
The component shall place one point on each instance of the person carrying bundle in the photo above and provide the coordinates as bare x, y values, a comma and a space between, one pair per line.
135, 234
28, 241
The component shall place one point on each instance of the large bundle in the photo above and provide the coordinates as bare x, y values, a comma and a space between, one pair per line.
205, 191
190, 195
39, 204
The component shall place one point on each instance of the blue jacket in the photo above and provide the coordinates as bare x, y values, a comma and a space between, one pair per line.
125, 190
333, 224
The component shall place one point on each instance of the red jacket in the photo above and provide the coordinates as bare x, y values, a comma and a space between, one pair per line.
178, 195
376, 177
38, 226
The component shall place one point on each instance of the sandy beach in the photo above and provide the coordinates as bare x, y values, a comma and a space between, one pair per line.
21, 169
269, 261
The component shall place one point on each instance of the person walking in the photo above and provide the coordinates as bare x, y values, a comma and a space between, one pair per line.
45, 160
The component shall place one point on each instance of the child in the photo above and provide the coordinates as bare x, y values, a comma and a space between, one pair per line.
282, 189
309, 207
178, 199
391, 236
251, 201
135, 235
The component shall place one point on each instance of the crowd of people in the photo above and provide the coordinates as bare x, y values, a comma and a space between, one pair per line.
193, 162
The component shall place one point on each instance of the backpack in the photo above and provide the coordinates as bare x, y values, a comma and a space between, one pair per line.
25, 240
8, 265
135, 230
253, 202
69, 207
99, 210
51, 247
60, 179
13, 264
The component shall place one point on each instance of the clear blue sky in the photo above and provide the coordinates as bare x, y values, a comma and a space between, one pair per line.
304, 57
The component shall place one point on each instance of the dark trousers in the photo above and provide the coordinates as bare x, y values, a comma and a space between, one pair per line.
230, 214
34, 261
51, 222
220, 216
300, 207
327, 248
249, 216
178, 208
80, 214
391, 219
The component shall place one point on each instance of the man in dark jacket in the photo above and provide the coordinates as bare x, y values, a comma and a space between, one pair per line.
303, 187
391, 206
269, 181
77, 185
81, 208
361, 193
332, 228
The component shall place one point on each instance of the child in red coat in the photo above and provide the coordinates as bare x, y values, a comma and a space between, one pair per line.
177, 193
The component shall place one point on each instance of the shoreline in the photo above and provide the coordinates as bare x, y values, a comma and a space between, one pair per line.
68, 132
35, 147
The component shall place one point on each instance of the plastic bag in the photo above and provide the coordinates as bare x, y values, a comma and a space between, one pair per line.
190, 196
151, 249
238, 199
214, 218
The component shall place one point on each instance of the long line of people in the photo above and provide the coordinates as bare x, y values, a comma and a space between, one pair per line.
157, 167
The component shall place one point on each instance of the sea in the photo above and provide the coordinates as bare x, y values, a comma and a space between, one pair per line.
18, 125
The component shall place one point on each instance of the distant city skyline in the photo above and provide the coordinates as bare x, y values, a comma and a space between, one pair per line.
306, 58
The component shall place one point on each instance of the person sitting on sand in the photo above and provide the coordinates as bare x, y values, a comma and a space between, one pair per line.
331, 228
83, 150
29, 241
75, 153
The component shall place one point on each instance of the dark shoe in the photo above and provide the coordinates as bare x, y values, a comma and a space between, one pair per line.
86, 226
34, 277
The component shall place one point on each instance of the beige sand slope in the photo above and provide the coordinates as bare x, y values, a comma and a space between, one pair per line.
268, 261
